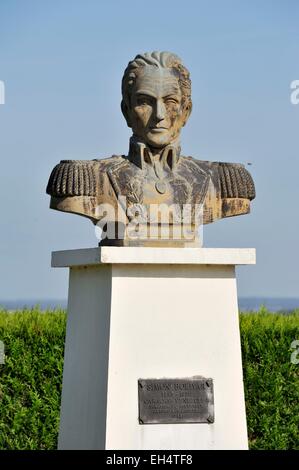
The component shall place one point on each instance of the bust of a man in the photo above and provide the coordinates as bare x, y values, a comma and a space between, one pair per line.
129, 195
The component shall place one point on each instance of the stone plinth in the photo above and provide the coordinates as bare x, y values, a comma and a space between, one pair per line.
150, 313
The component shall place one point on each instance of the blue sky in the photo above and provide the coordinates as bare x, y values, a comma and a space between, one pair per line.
62, 62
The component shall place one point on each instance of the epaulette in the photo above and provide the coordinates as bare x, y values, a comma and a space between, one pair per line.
73, 178
235, 181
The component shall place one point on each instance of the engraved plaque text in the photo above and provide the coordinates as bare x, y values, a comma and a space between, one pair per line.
163, 401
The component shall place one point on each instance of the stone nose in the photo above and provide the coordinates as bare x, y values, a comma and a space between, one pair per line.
160, 110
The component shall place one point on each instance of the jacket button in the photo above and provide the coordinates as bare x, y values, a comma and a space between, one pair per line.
160, 187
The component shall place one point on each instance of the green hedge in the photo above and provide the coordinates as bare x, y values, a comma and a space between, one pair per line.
30, 379
271, 380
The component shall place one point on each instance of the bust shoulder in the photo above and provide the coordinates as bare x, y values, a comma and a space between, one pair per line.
79, 177
233, 179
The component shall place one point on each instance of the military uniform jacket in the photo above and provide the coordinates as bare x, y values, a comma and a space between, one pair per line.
82, 186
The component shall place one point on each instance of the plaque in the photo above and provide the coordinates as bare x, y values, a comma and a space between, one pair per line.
168, 401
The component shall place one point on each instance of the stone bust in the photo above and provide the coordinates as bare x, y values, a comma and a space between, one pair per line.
121, 191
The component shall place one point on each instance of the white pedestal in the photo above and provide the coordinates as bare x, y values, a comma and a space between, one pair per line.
139, 313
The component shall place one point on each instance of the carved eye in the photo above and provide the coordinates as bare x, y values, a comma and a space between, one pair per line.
143, 101
171, 101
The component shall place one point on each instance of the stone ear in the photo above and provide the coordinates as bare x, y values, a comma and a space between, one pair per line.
125, 111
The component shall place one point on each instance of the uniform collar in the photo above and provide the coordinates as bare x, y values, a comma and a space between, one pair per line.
141, 155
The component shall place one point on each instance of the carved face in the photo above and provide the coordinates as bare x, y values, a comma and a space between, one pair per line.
156, 114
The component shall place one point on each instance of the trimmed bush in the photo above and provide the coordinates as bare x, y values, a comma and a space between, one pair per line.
270, 379
30, 378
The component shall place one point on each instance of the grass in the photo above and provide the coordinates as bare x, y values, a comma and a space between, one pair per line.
30, 379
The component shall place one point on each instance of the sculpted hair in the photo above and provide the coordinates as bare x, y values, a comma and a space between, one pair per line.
160, 60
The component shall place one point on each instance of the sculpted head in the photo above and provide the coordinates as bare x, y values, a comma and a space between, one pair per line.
156, 91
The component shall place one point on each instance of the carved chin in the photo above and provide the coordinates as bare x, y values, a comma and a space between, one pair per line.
160, 139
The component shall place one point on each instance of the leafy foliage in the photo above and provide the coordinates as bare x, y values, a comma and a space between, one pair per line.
31, 377
271, 380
